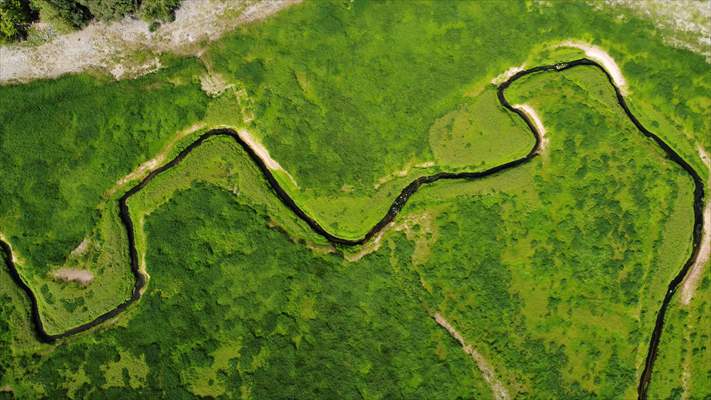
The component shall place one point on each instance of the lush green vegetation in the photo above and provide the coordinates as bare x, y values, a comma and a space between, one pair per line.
56, 175
16, 16
552, 324
683, 366
562, 284
265, 310
359, 87
552, 271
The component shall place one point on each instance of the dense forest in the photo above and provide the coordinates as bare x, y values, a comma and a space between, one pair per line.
16, 16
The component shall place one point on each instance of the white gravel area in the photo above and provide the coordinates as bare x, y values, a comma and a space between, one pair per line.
120, 47
681, 23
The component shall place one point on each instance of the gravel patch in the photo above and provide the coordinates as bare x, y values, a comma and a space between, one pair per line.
127, 48
682, 23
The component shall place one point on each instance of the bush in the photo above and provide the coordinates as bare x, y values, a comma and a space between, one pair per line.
110, 9
68, 11
159, 10
77, 13
15, 18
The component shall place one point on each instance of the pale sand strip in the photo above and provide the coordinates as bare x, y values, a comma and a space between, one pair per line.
498, 389
697, 269
531, 113
506, 75
602, 57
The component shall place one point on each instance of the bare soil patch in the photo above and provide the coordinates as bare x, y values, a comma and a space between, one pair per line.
213, 84
371, 247
14, 254
424, 239
263, 153
81, 249
81, 276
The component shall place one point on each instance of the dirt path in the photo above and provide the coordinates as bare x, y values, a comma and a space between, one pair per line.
697, 269
686, 369
120, 47
498, 389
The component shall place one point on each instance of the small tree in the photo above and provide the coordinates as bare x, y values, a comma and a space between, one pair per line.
15, 18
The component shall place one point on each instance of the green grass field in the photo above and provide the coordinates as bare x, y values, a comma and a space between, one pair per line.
552, 271
685, 347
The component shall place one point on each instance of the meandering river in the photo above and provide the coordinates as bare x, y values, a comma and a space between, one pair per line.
395, 207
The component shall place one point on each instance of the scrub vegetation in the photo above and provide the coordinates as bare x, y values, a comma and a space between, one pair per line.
74, 160
16, 16
578, 274
362, 99
684, 363
552, 271
267, 310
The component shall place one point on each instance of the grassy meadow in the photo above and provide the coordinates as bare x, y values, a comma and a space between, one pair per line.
552, 271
